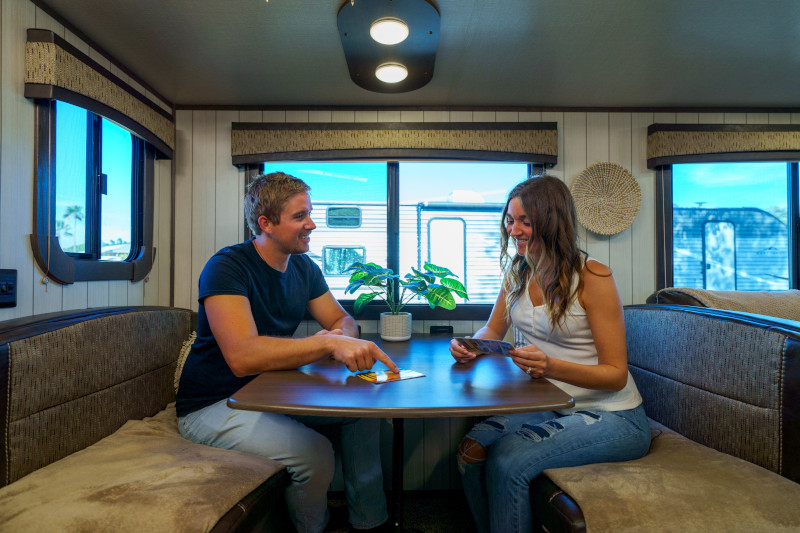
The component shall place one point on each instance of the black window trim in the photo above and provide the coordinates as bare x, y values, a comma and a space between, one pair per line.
664, 243
51, 259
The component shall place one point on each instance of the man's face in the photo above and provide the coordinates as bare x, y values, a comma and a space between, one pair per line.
291, 235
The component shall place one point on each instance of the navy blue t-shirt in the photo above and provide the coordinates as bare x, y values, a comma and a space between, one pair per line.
278, 302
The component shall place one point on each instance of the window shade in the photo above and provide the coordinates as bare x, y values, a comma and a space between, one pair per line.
520, 141
696, 143
54, 69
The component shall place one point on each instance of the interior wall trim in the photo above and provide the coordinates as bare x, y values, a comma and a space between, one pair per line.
54, 69
695, 143
275, 141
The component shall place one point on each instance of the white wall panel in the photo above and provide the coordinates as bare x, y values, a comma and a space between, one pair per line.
16, 178
16, 156
182, 282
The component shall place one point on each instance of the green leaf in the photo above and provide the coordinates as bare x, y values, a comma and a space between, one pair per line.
455, 286
356, 266
354, 286
441, 296
438, 271
417, 286
426, 277
363, 300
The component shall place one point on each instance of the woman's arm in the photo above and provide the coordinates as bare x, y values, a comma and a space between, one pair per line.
495, 328
603, 306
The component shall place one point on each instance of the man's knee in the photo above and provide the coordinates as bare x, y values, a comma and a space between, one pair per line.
471, 452
313, 457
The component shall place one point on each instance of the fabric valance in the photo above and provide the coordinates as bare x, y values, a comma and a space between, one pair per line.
513, 141
54, 69
695, 143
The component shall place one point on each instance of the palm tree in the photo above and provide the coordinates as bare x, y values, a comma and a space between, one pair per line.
62, 230
74, 212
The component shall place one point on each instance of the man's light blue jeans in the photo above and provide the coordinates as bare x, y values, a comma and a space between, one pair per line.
307, 455
521, 446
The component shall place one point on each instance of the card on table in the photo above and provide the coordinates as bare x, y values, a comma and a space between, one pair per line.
388, 375
485, 346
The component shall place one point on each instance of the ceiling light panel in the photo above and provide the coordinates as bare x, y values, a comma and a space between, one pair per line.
417, 52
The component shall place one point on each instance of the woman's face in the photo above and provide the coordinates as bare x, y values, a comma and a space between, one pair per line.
518, 226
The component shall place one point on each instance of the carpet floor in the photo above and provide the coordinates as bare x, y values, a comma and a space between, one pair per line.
426, 511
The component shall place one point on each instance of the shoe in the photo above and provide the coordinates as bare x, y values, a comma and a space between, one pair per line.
338, 520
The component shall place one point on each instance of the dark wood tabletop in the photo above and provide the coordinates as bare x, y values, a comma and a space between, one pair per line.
489, 385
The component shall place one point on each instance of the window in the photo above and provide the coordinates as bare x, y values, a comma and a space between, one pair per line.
405, 214
94, 193
731, 227
343, 217
336, 259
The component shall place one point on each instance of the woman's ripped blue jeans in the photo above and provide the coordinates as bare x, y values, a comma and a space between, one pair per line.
500, 456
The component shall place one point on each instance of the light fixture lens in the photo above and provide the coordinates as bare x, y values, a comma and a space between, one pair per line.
389, 30
391, 72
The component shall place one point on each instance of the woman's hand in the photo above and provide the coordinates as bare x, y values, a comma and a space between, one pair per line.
459, 353
531, 360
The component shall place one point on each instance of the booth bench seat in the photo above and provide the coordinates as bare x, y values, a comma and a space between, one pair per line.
90, 439
722, 390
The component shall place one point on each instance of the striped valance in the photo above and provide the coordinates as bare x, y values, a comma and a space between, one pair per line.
694, 143
514, 141
54, 69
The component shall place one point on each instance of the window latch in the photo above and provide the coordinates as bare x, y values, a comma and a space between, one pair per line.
102, 183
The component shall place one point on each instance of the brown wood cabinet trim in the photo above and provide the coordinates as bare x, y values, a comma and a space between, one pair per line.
394, 153
259, 126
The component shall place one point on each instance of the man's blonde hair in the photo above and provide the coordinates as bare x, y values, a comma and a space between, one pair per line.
267, 196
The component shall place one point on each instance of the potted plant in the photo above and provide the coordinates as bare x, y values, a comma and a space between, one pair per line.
395, 325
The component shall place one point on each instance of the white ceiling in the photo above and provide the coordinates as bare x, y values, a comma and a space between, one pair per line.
540, 53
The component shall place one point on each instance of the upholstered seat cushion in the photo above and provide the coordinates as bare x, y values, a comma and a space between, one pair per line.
781, 304
681, 485
143, 477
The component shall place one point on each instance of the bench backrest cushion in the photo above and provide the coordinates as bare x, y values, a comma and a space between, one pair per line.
780, 304
725, 379
68, 382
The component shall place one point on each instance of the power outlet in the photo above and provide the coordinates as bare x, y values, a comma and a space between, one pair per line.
8, 287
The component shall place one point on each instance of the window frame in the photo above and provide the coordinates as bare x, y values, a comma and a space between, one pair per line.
66, 268
372, 310
664, 222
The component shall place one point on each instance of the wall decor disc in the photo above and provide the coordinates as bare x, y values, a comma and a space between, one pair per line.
607, 198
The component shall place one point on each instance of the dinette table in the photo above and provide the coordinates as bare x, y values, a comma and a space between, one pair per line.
488, 385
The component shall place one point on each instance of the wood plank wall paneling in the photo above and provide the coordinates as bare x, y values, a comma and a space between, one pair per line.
16, 186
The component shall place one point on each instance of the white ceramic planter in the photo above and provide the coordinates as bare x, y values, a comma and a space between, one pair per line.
395, 327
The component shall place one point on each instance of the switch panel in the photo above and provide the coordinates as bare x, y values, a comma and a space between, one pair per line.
8, 288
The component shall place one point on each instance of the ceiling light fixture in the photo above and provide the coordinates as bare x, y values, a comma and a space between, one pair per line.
391, 72
389, 30
411, 53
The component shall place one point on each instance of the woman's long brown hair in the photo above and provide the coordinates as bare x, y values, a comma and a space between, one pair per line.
548, 204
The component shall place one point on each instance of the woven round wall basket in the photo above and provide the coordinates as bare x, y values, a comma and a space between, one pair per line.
607, 198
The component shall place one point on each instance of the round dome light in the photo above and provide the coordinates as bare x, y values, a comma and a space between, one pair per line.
389, 30
391, 72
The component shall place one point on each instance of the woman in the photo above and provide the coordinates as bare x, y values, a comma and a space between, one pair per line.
567, 308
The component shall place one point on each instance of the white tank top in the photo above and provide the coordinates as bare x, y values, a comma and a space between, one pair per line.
574, 344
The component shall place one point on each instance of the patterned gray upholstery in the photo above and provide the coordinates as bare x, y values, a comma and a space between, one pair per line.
59, 378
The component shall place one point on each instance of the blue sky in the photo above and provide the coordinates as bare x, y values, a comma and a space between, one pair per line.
420, 181
761, 185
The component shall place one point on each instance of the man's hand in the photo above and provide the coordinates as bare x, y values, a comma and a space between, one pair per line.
358, 354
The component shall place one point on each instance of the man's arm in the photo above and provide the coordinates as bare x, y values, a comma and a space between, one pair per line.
331, 315
247, 353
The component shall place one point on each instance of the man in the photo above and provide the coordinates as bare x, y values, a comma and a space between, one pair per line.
252, 297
